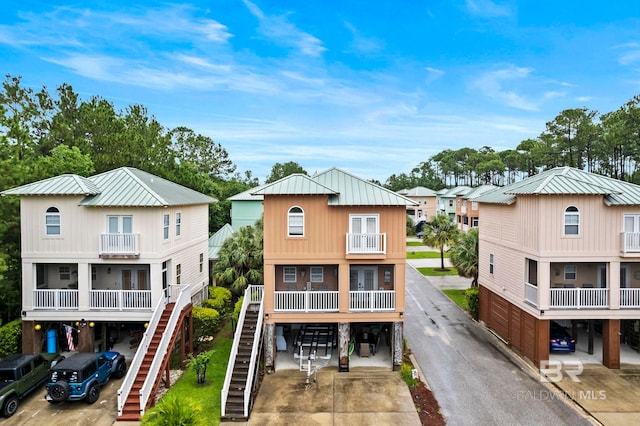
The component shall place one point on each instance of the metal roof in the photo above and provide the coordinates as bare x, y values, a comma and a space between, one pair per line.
295, 184
418, 191
248, 195
217, 240
567, 181
67, 184
125, 186
477, 191
452, 192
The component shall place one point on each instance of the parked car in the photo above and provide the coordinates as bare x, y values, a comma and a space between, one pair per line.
80, 376
560, 340
20, 375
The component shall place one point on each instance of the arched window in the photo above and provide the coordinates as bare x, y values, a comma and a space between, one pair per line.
52, 221
571, 221
296, 222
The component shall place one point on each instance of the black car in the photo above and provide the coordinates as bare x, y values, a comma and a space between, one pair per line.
560, 340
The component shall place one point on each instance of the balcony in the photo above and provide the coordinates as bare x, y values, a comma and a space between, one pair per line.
119, 245
579, 298
631, 242
366, 243
116, 300
372, 301
630, 297
306, 301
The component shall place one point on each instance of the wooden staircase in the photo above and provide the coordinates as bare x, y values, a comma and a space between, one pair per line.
234, 408
131, 410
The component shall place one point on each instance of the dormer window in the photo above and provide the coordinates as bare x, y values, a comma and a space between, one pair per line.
52, 221
296, 222
571, 221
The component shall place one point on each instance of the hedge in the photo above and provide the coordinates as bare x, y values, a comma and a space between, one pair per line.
11, 338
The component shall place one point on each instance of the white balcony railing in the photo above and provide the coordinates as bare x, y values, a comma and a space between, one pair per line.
366, 243
372, 300
631, 242
119, 244
120, 299
630, 297
576, 298
306, 301
531, 293
55, 299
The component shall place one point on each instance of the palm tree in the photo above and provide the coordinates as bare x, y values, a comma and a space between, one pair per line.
440, 231
240, 260
464, 256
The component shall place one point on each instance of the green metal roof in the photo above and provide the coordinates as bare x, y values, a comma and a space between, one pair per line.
125, 186
217, 240
248, 195
452, 192
418, 191
67, 184
477, 191
567, 181
295, 184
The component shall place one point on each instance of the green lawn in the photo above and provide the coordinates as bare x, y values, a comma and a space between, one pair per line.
415, 243
425, 255
432, 272
458, 296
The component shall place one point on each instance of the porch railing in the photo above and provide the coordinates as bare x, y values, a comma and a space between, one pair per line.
531, 293
366, 243
576, 298
372, 300
120, 299
630, 242
56, 299
122, 244
630, 297
306, 301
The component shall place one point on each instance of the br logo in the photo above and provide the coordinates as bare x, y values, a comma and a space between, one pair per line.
552, 371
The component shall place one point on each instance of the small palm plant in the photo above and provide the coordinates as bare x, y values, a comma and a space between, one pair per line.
199, 364
174, 411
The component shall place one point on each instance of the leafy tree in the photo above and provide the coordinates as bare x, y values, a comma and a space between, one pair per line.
439, 232
240, 260
64, 160
464, 255
281, 170
201, 151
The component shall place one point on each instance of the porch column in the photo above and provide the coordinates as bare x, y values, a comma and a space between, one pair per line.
544, 285
614, 285
32, 340
84, 287
344, 338
398, 344
86, 339
611, 343
269, 346
343, 287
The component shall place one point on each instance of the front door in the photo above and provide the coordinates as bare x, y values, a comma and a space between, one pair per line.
142, 279
363, 278
127, 282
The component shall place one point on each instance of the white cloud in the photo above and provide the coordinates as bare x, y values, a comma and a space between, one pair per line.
363, 45
433, 73
492, 83
487, 8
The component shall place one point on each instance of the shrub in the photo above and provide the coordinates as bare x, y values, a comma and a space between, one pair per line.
199, 363
172, 410
205, 323
473, 302
236, 310
11, 338
406, 372
219, 299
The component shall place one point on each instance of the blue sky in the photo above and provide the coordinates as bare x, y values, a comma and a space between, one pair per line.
373, 87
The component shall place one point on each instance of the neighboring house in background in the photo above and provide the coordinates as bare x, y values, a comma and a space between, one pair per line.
426, 203
215, 243
105, 249
446, 200
246, 208
563, 245
467, 209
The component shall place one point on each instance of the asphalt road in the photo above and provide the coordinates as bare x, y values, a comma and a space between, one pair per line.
474, 382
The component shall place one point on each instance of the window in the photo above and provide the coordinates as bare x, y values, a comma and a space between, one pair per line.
165, 229
474, 222
201, 262
474, 205
317, 275
65, 273
178, 273
570, 272
296, 222
450, 203
94, 273
120, 224
571, 221
178, 224
164, 274
532, 272
289, 274
465, 220
491, 263
52, 221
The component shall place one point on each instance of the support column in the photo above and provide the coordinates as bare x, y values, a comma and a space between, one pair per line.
269, 346
32, 340
344, 338
398, 344
611, 343
541, 349
86, 339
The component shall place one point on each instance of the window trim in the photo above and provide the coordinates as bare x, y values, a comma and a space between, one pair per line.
178, 273
166, 220
291, 215
178, 224
52, 212
492, 260
286, 273
319, 272
201, 262
64, 273
567, 272
571, 213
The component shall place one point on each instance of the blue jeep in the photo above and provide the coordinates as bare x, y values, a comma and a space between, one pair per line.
81, 375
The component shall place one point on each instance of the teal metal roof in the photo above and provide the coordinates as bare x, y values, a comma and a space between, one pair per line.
567, 181
125, 186
67, 184
295, 184
418, 191
452, 192
248, 195
477, 191
217, 240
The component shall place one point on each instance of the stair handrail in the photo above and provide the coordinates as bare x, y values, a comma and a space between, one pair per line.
183, 300
246, 300
257, 296
136, 362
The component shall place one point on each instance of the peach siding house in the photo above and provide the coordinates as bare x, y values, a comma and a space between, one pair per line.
426, 206
105, 249
334, 259
561, 246
468, 209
